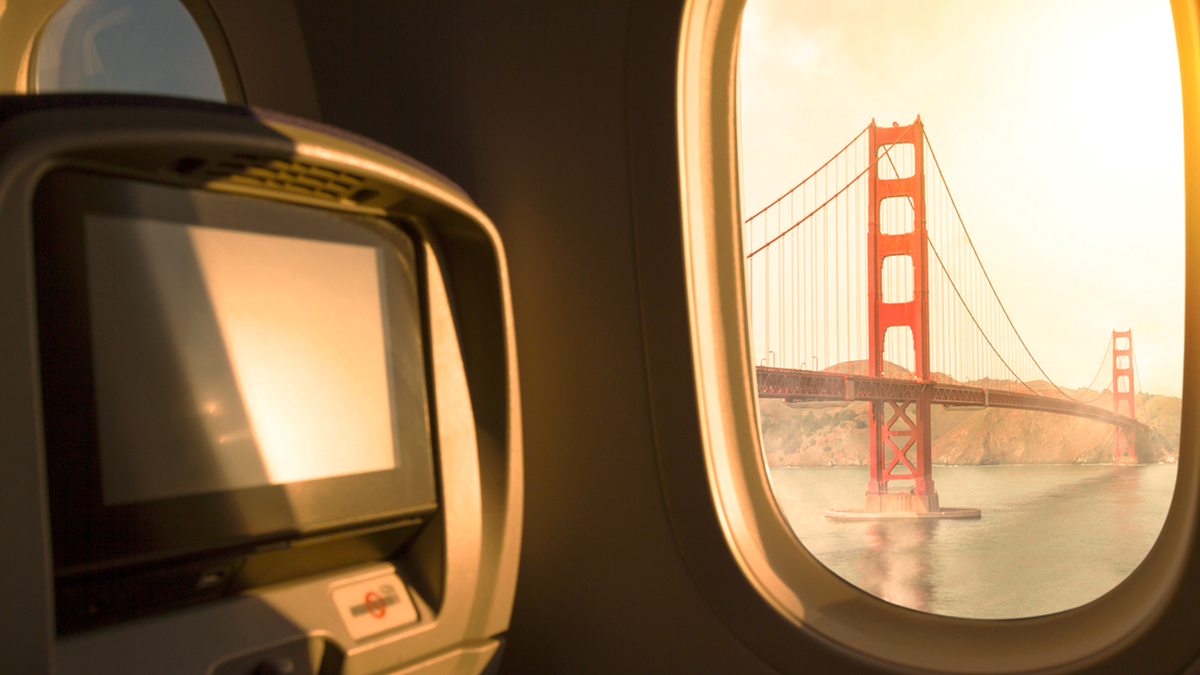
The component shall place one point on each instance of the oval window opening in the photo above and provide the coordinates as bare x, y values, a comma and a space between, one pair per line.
131, 46
970, 405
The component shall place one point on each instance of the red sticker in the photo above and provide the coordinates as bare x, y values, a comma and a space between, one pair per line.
375, 604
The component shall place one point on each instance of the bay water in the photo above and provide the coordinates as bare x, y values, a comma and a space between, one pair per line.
1050, 537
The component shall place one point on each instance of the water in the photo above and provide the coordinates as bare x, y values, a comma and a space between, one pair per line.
1051, 537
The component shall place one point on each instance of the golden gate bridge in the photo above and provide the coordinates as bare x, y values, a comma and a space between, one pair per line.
864, 285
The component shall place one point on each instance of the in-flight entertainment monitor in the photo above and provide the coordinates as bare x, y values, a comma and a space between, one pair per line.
226, 381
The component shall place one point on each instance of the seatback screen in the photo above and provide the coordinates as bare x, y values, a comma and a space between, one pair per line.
221, 372
258, 359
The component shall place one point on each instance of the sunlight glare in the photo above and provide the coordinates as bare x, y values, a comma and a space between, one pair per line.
303, 327
1123, 105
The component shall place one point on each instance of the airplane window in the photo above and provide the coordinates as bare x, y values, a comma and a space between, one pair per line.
963, 238
135, 46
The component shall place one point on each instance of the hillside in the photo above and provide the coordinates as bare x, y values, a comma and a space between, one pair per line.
822, 434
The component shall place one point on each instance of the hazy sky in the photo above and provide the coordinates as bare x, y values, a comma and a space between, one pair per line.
1058, 124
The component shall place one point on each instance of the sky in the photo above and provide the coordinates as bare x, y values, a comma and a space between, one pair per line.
1058, 124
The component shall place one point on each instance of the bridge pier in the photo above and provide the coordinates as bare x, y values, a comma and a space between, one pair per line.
902, 503
901, 448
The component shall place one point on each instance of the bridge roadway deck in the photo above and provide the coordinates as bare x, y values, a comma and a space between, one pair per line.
809, 385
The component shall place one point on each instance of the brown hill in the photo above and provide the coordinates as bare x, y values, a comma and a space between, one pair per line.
821, 434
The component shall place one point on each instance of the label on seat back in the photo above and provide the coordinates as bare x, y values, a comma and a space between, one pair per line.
373, 606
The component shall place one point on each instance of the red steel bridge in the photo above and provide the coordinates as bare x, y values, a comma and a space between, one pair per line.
864, 285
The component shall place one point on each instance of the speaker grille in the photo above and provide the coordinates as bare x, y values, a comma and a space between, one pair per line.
273, 173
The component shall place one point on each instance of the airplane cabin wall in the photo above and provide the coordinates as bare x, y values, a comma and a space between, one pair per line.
267, 46
526, 106
558, 118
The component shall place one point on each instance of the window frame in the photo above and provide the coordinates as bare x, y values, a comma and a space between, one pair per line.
743, 557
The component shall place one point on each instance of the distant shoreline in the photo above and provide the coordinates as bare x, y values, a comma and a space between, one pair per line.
837, 433
969, 466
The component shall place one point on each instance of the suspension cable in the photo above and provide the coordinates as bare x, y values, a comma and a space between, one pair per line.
975, 321
1103, 359
984, 269
839, 152
827, 201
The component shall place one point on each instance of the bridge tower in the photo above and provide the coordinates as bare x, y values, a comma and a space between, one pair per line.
1124, 438
900, 440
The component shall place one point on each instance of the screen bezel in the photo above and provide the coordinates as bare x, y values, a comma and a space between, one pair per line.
89, 534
